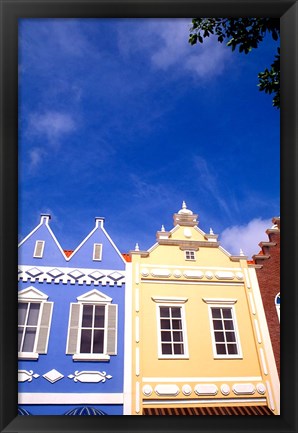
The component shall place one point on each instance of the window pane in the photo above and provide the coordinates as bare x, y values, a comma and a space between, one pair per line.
164, 312
99, 321
217, 324
178, 349
216, 313
232, 349
166, 349
29, 340
176, 324
33, 314
176, 312
165, 336
165, 324
230, 337
98, 341
220, 349
85, 341
177, 336
227, 313
87, 316
229, 325
22, 312
20, 335
219, 336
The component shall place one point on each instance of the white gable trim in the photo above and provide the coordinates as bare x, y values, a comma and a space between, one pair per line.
94, 296
30, 234
51, 233
97, 227
31, 293
114, 246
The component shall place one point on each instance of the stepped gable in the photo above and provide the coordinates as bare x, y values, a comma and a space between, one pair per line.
268, 273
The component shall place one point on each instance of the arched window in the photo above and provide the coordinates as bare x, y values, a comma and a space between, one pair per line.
277, 305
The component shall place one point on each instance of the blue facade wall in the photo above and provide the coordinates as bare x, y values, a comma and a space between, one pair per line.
62, 294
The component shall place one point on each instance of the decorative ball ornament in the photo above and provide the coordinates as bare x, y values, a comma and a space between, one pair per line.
225, 389
239, 275
209, 275
147, 390
261, 388
186, 389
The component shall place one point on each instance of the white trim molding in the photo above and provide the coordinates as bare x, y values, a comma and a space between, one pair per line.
220, 301
169, 299
69, 398
80, 276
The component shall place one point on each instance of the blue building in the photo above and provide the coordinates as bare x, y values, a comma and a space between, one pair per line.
71, 324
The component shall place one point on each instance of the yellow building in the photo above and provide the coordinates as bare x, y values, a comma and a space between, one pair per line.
198, 341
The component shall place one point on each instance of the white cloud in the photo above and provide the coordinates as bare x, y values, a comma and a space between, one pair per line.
246, 237
51, 124
209, 182
166, 43
35, 157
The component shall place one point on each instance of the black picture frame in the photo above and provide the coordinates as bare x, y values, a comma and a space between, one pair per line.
11, 12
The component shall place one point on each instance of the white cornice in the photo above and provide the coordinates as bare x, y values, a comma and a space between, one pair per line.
65, 275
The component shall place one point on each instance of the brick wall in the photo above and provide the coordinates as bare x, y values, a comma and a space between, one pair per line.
269, 282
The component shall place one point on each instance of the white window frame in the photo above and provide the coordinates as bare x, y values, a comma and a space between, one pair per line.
93, 298
32, 295
100, 255
171, 302
42, 249
277, 306
223, 303
95, 356
190, 253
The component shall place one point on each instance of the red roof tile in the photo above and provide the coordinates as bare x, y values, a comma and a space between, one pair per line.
126, 257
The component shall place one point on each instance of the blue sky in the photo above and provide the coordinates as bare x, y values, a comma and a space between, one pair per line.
122, 118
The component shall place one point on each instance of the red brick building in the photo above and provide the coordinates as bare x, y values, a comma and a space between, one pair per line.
268, 273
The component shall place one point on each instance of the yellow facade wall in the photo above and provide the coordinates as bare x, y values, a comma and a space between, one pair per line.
163, 276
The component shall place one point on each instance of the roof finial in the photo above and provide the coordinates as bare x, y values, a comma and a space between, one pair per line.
162, 228
137, 248
241, 252
184, 209
211, 231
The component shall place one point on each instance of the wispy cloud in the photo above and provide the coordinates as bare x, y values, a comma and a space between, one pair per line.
51, 125
166, 43
245, 237
208, 181
35, 157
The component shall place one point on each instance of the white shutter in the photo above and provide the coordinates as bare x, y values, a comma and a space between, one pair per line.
112, 329
38, 250
44, 327
97, 250
73, 328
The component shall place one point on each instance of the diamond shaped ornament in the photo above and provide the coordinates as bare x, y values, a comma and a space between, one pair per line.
55, 273
76, 274
116, 276
34, 272
53, 376
96, 275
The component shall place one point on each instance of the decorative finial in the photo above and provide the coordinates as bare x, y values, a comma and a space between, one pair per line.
162, 228
241, 252
211, 231
184, 210
137, 248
